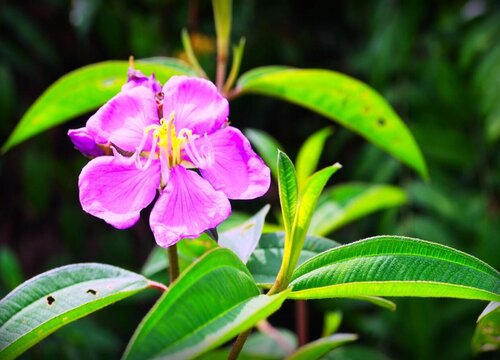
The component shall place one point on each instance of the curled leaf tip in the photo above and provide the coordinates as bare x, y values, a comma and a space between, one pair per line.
157, 285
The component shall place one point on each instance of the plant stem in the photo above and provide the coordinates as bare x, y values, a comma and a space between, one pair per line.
301, 321
173, 260
223, 18
221, 69
238, 345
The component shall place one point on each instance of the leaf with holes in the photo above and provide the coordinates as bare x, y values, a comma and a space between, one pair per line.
343, 99
210, 303
86, 89
345, 203
40, 306
395, 266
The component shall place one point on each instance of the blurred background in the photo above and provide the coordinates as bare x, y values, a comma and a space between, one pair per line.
438, 63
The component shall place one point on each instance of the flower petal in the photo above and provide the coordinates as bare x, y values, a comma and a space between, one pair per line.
84, 142
121, 121
196, 103
237, 170
137, 78
187, 206
116, 191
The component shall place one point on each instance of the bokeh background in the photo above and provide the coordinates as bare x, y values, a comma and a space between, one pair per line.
438, 63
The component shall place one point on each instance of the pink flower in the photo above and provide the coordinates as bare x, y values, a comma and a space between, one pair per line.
159, 140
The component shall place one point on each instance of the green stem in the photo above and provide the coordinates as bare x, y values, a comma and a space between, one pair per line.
173, 260
238, 345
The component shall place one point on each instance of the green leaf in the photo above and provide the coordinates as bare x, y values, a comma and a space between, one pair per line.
307, 202
243, 239
55, 298
86, 89
331, 322
487, 334
235, 66
309, 154
264, 264
188, 49
210, 303
288, 190
223, 17
316, 349
346, 203
266, 146
343, 99
395, 266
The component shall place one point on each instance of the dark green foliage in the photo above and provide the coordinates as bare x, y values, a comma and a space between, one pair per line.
436, 62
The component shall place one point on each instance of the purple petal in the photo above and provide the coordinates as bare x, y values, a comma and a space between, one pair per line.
115, 191
187, 206
84, 142
237, 170
137, 78
196, 103
121, 121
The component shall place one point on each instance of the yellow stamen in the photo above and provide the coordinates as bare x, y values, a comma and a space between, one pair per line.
168, 140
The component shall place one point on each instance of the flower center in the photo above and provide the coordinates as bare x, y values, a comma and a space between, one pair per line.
169, 143
167, 146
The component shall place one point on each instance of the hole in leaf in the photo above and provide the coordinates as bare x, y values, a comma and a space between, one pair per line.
381, 121
50, 300
92, 292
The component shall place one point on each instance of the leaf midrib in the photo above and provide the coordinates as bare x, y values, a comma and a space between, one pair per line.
393, 282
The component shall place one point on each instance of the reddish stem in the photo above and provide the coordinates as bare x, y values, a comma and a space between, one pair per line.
301, 321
